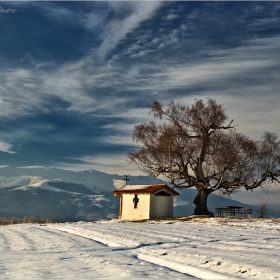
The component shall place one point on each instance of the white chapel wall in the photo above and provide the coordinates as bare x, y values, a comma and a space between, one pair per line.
141, 212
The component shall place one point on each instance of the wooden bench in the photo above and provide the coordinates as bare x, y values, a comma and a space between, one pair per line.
247, 212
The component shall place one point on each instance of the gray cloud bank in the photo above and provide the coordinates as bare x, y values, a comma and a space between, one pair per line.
75, 77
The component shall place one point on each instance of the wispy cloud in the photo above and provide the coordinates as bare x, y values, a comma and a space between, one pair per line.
6, 147
117, 29
19, 90
171, 17
111, 163
87, 81
53, 11
79, 83
252, 59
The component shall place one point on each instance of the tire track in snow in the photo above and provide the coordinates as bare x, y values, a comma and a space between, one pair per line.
188, 271
71, 256
198, 239
70, 241
4, 240
90, 234
96, 236
100, 234
14, 235
194, 272
4, 245
154, 237
144, 229
147, 240
72, 250
200, 242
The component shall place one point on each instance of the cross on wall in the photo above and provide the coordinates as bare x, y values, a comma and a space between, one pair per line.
135, 200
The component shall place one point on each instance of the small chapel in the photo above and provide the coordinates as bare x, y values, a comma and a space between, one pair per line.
141, 202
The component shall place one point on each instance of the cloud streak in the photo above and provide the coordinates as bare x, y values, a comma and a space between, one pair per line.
117, 29
6, 148
83, 74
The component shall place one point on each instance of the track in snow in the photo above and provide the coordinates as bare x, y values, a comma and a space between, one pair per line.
40, 252
113, 250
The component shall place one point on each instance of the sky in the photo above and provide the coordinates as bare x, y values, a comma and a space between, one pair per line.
76, 77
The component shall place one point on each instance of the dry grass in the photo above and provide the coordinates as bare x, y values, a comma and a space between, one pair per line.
197, 218
182, 219
251, 219
219, 219
25, 220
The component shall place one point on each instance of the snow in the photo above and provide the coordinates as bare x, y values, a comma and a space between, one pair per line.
118, 183
136, 187
197, 249
26, 189
7, 182
92, 179
37, 182
44, 186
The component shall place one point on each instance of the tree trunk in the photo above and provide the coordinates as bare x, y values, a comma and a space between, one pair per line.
200, 202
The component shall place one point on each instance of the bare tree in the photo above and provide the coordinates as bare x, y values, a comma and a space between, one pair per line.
262, 210
195, 147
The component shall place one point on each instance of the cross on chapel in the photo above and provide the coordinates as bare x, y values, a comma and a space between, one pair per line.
126, 179
135, 200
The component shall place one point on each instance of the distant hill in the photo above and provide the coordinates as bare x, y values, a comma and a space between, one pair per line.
64, 195
184, 204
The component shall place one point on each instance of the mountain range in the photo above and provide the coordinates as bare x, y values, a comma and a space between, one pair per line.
65, 195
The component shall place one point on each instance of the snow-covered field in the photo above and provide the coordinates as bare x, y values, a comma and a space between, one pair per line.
198, 249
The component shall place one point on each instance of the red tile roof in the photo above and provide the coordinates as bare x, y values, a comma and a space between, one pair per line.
143, 189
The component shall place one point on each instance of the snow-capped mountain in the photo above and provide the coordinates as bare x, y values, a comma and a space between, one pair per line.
66, 195
41, 176
61, 194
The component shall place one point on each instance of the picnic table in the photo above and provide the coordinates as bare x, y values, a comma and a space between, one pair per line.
231, 210
234, 211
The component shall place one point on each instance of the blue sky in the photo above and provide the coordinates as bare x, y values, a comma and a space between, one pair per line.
76, 77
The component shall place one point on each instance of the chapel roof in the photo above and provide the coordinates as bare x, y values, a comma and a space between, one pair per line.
147, 189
